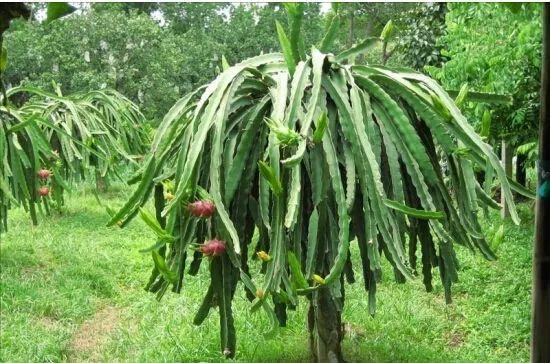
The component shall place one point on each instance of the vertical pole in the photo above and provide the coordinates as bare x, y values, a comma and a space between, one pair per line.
540, 343
506, 156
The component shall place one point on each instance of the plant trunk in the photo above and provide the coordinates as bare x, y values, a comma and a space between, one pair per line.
100, 183
506, 154
521, 172
325, 328
351, 36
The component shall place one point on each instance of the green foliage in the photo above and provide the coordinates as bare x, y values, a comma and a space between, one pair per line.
530, 151
57, 10
494, 50
375, 177
422, 27
369, 19
409, 32
123, 47
100, 50
3, 59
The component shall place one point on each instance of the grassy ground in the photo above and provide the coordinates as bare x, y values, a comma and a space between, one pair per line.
72, 289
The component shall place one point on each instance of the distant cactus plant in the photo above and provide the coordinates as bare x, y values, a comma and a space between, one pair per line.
310, 155
56, 139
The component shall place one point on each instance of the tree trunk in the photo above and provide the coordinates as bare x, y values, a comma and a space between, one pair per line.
521, 172
506, 155
325, 328
100, 183
351, 36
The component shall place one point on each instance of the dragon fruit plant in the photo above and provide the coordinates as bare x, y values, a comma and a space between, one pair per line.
313, 155
53, 140
93, 130
28, 167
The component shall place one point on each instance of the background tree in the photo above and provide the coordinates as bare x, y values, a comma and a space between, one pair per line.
89, 51
422, 26
153, 54
416, 28
361, 20
507, 48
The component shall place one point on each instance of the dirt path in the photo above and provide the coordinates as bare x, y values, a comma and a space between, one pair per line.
89, 339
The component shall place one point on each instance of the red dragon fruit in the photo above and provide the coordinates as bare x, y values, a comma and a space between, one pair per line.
44, 174
201, 208
213, 248
43, 191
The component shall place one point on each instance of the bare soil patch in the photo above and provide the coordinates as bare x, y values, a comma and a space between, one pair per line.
88, 340
48, 322
455, 339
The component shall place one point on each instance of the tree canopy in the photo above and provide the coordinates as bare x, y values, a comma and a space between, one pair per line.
123, 46
507, 47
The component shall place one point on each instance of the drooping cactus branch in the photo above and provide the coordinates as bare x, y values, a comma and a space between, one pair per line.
301, 166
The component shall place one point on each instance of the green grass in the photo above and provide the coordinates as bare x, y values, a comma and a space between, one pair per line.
72, 289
